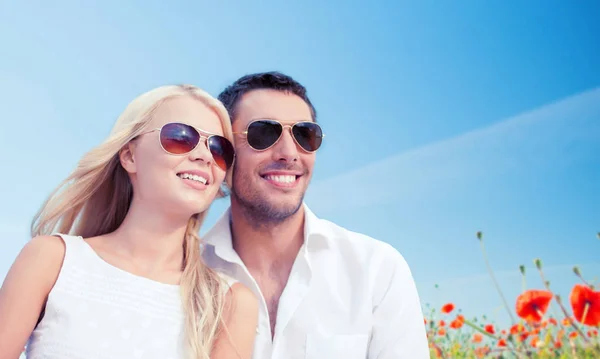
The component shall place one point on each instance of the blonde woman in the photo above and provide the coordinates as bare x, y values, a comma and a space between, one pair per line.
114, 267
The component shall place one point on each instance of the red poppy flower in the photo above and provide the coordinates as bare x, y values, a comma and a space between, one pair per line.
447, 308
458, 322
585, 301
533, 304
517, 328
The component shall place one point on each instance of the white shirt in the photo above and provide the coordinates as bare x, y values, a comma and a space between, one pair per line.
348, 296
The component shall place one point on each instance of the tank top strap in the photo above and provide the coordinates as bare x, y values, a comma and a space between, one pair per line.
75, 247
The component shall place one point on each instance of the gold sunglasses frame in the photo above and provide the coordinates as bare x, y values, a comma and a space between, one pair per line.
283, 127
202, 135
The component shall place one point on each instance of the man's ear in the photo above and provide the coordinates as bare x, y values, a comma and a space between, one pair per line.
127, 158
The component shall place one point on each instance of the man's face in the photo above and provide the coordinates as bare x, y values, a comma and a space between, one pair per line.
271, 183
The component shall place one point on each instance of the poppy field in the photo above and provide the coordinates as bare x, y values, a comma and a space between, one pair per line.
534, 333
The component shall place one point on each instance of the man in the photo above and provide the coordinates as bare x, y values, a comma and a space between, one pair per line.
325, 292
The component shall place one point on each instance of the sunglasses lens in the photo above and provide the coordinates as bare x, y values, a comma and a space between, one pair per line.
308, 135
178, 138
222, 151
263, 134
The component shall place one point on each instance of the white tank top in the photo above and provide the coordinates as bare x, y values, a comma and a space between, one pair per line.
96, 310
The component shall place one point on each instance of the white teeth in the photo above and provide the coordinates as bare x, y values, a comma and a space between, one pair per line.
281, 179
193, 177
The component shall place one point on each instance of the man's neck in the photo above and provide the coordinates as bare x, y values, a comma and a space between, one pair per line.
269, 245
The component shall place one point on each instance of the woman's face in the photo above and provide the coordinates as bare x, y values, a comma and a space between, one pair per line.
178, 184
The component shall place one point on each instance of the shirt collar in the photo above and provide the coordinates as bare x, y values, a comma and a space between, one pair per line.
317, 234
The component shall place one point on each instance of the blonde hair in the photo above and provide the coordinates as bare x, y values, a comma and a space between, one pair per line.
94, 200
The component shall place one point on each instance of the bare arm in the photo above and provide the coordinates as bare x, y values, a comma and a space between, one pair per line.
237, 338
25, 290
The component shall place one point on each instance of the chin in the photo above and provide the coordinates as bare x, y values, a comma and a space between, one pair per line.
291, 198
189, 211
286, 207
196, 204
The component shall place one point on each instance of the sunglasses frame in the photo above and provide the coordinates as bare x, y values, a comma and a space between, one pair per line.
202, 135
283, 127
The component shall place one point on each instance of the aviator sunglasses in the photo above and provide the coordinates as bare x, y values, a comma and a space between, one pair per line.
180, 139
263, 134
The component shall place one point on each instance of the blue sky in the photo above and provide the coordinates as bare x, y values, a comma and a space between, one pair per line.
442, 118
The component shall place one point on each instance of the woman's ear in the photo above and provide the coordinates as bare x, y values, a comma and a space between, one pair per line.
127, 158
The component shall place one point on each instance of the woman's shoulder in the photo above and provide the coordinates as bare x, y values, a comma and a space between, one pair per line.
44, 250
238, 292
228, 280
43, 257
37, 266
236, 289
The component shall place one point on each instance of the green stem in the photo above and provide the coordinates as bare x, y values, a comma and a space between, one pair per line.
514, 349
583, 280
477, 328
562, 307
495, 282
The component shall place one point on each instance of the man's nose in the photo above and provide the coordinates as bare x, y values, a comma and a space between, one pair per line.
286, 148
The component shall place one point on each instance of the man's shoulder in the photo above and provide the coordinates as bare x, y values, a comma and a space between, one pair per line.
371, 263
363, 245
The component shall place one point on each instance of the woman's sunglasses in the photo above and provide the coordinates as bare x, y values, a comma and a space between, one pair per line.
180, 139
263, 134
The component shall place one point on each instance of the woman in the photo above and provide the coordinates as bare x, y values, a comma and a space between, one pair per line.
114, 267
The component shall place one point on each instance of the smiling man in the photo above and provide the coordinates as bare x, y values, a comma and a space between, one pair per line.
324, 291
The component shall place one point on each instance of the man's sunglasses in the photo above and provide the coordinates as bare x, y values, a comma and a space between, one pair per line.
180, 139
263, 134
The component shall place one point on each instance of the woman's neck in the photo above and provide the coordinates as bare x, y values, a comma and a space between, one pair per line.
151, 236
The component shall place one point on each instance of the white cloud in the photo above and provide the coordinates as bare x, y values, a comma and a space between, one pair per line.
553, 135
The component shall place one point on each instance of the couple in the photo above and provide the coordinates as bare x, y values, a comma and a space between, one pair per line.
116, 268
